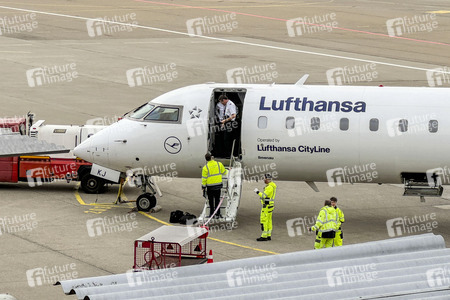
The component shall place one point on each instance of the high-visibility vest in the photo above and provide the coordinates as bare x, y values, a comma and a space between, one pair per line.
269, 192
212, 174
339, 216
326, 221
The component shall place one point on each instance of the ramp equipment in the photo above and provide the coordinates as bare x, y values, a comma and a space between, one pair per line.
230, 194
170, 246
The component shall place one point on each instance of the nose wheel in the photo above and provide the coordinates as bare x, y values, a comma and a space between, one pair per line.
145, 202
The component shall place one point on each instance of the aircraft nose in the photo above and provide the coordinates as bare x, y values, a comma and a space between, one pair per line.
83, 150
95, 149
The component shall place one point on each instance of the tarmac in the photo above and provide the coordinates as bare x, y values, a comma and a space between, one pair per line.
46, 231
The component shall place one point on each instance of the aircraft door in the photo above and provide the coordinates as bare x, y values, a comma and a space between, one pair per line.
224, 138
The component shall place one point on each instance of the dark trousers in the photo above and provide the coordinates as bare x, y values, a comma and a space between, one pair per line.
229, 137
214, 199
219, 147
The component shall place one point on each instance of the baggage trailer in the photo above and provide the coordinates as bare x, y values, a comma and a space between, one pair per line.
170, 246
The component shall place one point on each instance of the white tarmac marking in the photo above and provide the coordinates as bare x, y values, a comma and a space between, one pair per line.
145, 43
12, 45
79, 43
16, 52
227, 40
446, 206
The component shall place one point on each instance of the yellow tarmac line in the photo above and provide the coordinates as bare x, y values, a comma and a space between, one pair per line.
242, 246
210, 238
154, 219
439, 12
78, 197
80, 200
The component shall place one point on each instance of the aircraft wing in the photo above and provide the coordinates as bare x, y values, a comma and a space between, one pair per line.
16, 145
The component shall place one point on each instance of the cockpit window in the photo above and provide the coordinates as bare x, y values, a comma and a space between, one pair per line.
162, 113
141, 111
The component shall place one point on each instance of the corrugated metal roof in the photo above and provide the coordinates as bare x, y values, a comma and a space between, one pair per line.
414, 267
15, 145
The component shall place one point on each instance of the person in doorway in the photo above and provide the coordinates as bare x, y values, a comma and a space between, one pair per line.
228, 124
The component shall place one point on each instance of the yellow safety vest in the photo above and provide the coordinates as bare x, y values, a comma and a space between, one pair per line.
339, 216
326, 221
269, 192
212, 174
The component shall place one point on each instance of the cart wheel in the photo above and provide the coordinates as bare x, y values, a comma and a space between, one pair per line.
153, 260
145, 202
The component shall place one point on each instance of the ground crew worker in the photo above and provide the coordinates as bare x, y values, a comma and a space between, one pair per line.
212, 181
340, 219
267, 200
325, 227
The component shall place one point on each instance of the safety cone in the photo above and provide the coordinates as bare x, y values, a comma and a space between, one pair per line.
210, 258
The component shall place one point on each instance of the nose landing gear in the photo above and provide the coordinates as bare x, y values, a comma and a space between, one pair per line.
147, 200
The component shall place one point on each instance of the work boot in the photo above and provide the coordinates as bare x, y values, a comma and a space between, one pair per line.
269, 238
262, 239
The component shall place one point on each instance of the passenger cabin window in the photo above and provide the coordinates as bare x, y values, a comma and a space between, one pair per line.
403, 125
162, 113
433, 126
315, 123
374, 124
141, 111
262, 122
290, 123
343, 124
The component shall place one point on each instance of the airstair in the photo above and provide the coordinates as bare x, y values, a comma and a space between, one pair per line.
230, 193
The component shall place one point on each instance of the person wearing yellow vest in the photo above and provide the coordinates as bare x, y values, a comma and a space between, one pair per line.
212, 174
325, 227
267, 200
340, 219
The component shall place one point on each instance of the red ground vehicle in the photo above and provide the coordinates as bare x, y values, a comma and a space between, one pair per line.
38, 169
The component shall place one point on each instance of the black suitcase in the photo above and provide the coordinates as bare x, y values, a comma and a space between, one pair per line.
175, 216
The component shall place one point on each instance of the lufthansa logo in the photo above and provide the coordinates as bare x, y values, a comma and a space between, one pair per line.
172, 145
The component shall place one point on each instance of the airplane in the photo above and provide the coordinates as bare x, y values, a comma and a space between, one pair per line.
311, 133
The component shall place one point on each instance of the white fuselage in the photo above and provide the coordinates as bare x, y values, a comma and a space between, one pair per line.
362, 130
